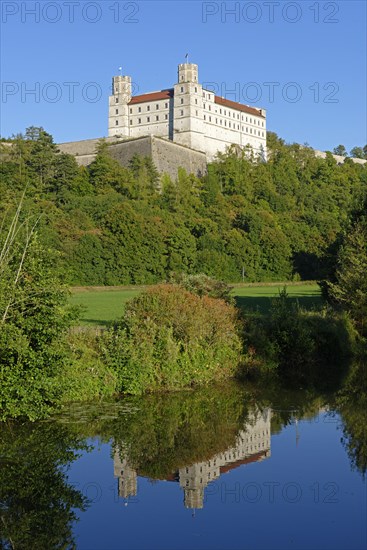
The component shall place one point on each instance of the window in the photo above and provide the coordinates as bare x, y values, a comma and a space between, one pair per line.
116, 90
196, 101
157, 117
221, 121
229, 124
148, 118
216, 121
197, 113
234, 115
225, 123
204, 117
182, 89
157, 106
116, 123
139, 120
148, 107
166, 117
117, 111
139, 110
116, 100
203, 95
196, 90
181, 100
131, 122
181, 112
250, 130
220, 111
166, 105
225, 112
131, 111
238, 126
210, 107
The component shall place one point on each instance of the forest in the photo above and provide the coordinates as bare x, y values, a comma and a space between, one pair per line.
246, 220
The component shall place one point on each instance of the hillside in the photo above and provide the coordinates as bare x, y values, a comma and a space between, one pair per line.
245, 220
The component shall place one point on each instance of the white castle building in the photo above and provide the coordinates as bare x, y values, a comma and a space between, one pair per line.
187, 114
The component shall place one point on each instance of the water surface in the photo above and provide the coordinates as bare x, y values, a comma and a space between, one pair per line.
222, 467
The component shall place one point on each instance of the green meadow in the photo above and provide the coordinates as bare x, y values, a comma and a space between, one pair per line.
101, 305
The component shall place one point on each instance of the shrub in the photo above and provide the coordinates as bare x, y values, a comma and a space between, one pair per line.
302, 347
170, 338
203, 285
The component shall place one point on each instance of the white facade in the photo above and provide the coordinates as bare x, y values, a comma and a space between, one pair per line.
186, 114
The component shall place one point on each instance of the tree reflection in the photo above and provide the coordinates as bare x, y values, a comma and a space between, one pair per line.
351, 403
36, 500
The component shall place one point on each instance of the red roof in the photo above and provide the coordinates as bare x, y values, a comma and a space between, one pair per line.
153, 96
252, 458
237, 106
168, 94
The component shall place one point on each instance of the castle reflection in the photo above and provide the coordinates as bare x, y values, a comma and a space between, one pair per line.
252, 445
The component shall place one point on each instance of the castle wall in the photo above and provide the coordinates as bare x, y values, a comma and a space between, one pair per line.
166, 155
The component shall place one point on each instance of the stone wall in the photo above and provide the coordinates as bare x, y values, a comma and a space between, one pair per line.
166, 155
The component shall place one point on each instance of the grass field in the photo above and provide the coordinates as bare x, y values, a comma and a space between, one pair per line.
101, 305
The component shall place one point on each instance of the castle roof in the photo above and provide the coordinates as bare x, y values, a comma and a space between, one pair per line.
152, 96
168, 94
238, 106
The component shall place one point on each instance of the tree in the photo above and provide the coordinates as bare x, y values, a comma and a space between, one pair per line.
340, 150
357, 153
34, 316
350, 288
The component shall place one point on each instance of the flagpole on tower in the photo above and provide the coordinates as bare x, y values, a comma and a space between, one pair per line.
187, 58
120, 69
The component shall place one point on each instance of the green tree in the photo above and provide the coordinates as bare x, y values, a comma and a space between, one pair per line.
34, 316
340, 150
357, 153
350, 288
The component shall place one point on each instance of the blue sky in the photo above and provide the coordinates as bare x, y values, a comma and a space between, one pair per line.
305, 62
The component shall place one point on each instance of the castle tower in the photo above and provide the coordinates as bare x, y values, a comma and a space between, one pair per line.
118, 115
188, 122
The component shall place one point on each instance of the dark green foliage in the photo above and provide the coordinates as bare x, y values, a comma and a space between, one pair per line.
349, 290
308, 348
245, 219
351, 402
38, 504
170, 338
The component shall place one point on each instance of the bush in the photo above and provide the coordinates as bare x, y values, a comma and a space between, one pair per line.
170, 338
302, 347
203, 285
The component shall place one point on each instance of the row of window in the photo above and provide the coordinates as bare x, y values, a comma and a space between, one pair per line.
147, 119
243, 119
247, 130
148, 108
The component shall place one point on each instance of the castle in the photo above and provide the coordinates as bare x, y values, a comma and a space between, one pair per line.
186, 114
